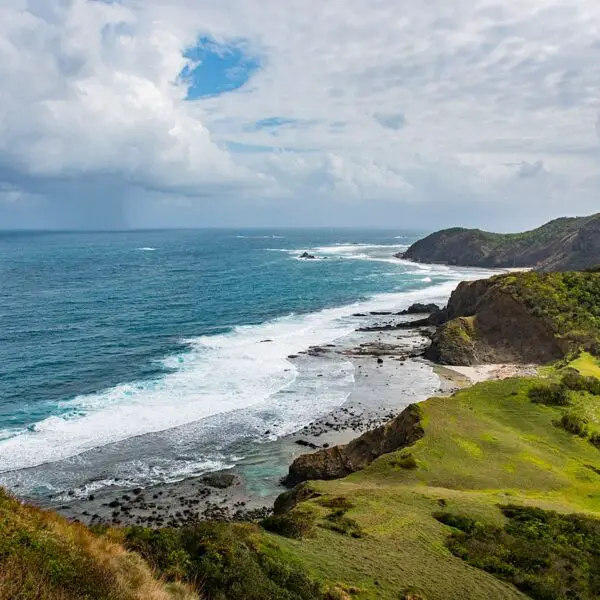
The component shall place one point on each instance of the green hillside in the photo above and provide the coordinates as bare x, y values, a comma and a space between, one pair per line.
564, 244
485, 447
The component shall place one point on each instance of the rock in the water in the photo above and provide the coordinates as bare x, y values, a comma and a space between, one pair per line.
307, 256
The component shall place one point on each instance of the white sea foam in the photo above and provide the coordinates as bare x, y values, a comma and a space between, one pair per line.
234, 371
147, 249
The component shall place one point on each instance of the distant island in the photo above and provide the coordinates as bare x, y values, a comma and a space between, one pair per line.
565, 244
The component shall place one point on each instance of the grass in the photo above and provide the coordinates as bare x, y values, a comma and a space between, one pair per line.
424, 523
43, 557
587, 365
486, 446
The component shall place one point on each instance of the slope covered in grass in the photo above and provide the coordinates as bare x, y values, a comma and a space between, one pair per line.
486, 446
43, 557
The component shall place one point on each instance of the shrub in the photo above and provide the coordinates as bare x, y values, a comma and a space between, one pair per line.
595, 440
296, 524
546, 555
408, 462
460, 522
224, 562
553, 394
573, 380
574, 424
338, 522
592, 385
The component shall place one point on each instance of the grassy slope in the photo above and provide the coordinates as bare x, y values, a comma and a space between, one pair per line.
43, 557
485, 446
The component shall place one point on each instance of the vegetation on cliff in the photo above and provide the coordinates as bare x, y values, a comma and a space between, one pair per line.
545, 554
560, 245
522, 317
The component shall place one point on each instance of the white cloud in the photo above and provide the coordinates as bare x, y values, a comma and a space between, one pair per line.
422, 105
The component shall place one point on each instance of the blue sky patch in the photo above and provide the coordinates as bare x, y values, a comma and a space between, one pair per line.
217, 68
272, 122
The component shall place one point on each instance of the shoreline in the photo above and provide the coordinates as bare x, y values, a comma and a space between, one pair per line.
389, 374
385, 351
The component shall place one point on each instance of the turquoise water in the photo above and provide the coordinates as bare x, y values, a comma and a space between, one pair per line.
142, 356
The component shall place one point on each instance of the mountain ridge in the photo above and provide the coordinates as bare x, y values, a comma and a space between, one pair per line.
564, 244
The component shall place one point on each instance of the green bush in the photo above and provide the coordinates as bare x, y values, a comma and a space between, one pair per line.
295, 524
223, 562
574, 424
552, 394
546, 555
573, 380
457, 521
593, 385
595, 440
338, 522
408, 462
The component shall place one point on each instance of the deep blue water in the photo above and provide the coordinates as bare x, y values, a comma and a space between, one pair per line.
107, 336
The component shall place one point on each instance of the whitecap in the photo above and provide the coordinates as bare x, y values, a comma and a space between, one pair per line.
219, 374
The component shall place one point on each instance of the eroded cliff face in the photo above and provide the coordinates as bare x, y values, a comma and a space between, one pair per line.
340, 461
485, 324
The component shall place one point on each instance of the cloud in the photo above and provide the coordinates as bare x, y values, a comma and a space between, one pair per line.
307, 106
526, 169
391, 121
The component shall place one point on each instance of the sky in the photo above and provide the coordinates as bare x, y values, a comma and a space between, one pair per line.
120, 114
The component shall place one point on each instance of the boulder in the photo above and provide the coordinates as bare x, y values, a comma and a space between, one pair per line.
339, 461
220, 480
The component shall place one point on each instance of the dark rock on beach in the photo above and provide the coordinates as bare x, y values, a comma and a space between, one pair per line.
220, 480
339, 461
420, 309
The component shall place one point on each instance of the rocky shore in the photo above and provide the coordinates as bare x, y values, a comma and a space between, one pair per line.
389, 375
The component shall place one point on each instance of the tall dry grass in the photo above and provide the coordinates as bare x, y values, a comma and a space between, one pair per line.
44, 557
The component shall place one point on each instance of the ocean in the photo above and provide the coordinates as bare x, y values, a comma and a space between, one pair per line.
151, 356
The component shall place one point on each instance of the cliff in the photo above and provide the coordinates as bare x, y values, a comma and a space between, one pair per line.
523, 317
560, 245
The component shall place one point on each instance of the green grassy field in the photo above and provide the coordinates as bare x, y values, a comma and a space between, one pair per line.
486, 446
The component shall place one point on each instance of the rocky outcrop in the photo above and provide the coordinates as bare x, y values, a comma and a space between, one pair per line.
420, 309
560, 245
340, 461
515, 318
